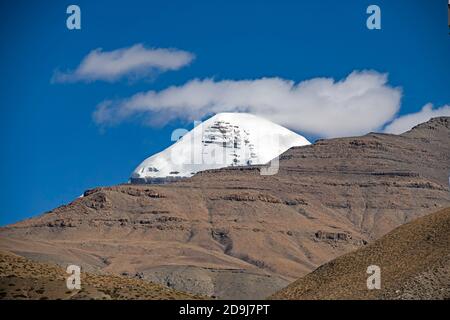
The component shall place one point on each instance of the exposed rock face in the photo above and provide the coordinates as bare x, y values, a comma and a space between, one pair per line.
414, 262
327, 199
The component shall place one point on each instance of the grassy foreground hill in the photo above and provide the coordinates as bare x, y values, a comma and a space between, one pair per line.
21, 278
414, 260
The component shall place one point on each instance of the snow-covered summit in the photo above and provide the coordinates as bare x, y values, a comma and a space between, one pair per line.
226, 139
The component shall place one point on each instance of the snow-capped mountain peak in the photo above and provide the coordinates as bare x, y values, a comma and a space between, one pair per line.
226, 139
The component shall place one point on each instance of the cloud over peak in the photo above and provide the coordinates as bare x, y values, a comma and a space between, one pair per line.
407, 122
134, 61
361, 102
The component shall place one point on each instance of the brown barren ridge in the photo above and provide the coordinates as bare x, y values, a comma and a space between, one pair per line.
233, 233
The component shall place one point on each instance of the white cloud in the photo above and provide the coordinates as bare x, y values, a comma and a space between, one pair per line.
406, 122
360, 103
134, 61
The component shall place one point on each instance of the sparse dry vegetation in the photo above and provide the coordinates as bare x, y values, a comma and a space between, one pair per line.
21, 278
414, 260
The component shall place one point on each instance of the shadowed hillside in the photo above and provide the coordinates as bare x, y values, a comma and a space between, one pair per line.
414, 260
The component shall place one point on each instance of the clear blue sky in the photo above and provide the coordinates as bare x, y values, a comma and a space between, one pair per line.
51, 150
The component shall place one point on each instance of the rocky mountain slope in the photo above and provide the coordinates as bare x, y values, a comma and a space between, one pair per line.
21, 278
414, 261
234, 233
